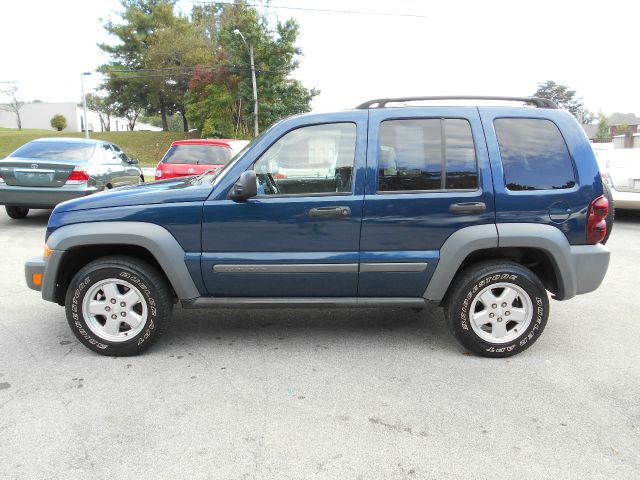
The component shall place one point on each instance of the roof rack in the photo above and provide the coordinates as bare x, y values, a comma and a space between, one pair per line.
382, 102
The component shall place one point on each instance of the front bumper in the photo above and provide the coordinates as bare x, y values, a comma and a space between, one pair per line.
34, 273
42, 197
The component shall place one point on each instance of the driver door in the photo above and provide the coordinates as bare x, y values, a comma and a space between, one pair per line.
299, 237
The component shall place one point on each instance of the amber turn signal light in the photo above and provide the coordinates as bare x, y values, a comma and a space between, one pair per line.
36, 278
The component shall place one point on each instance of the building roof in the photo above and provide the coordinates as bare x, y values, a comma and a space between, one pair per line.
623, 119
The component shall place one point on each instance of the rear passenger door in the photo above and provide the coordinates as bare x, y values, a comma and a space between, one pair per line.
116, 174
427, 177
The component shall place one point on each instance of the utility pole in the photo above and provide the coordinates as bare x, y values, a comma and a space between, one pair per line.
253, 82
84, 105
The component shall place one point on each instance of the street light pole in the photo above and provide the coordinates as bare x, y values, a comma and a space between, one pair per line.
253, 82
84, 105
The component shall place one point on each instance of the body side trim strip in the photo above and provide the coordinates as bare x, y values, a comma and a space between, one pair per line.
287, 268
393, 267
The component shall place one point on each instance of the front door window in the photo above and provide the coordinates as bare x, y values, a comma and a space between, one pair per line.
310, 160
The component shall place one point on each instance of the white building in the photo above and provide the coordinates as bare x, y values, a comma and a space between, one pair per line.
38, 116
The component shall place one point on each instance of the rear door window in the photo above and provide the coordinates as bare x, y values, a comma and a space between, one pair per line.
426, 154
534, 154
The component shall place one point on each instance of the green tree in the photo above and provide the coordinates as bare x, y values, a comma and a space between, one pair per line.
14, 104
603, 135
564, 97
103, 107
59, 122
220, 100
175, 50
127, 84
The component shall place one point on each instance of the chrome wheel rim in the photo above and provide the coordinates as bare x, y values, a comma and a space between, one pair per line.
114, 310
501, 312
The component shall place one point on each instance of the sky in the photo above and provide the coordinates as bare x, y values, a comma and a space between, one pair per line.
416, 48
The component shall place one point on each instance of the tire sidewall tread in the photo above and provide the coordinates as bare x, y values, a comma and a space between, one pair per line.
145, 278
473, 280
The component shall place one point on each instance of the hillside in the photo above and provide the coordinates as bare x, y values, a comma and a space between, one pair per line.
148, 147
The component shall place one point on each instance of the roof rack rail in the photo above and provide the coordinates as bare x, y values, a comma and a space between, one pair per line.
382, 102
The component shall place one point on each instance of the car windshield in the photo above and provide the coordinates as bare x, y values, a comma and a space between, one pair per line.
198, 155
79, 152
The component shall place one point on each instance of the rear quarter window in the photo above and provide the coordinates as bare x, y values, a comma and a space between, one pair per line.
534, 155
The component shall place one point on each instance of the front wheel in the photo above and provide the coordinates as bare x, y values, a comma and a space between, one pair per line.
118, 306
17, 213
497, 309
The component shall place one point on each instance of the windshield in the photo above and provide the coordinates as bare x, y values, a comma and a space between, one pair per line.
197, 155
212, 174
79, 152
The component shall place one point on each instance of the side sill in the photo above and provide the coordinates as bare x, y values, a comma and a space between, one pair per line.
302, 302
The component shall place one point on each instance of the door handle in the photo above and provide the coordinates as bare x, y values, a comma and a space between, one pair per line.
468, 207
342, 212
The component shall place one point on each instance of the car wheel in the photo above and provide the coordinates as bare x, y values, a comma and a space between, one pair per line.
118, 306
497, 309
606, 191
16, 213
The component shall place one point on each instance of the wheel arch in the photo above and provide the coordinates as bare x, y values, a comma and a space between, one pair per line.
542, 248
73, 246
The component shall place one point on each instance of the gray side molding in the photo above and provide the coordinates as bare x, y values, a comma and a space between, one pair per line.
457, 247
157, 240
579, 269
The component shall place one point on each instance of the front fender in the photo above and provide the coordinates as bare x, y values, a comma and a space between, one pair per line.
154, 238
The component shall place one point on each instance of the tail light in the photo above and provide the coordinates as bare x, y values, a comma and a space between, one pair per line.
77, 176
596, 223
1, 179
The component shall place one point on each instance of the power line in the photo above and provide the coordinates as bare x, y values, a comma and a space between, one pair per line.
309, 9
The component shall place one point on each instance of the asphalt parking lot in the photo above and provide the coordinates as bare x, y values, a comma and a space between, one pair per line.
344, 394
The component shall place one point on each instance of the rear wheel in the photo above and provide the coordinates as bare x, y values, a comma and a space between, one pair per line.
606, 191
497, 309
16, 213
118, 306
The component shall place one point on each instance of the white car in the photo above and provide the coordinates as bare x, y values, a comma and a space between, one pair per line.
620, 170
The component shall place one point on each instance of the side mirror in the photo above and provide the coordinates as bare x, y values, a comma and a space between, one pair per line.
134, 161
246, 187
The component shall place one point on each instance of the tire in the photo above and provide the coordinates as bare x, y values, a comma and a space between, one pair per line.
606, 191
108, 285
17, 213
476, 297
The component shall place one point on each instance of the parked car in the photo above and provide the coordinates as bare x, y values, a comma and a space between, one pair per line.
483, 210
48, 171
194, 157
620, 170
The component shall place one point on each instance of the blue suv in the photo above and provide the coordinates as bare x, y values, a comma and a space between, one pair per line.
484, 210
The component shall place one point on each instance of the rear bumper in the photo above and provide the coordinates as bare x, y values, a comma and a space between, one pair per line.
590, 263
32, 269
629, 200
42, 197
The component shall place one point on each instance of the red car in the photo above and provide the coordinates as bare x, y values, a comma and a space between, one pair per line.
193, 157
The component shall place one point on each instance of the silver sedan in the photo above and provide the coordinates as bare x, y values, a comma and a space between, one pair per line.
621, 172
48, 171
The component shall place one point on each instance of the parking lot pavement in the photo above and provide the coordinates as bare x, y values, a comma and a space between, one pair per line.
371, 394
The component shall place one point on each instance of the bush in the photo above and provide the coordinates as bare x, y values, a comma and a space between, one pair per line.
59, 122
